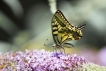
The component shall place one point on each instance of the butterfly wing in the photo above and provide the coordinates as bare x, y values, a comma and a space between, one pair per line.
60, 28
61, 19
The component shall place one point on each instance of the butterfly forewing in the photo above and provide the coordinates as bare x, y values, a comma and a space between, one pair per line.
55, 29
61, 19
59, 27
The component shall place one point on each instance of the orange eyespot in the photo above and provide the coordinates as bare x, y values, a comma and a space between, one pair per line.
77, 38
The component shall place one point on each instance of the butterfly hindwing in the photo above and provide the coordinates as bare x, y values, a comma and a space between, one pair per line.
59, 27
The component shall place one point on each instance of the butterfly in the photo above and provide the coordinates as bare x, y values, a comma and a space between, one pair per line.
63, 31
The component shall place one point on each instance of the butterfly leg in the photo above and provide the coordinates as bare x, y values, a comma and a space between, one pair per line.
60, 47
54, 47
72, 45
60, 50
63, 49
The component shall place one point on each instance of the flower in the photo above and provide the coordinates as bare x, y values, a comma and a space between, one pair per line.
102, 57
41, 60
92, 67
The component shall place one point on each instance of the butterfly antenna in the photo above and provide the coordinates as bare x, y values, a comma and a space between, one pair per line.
83, 26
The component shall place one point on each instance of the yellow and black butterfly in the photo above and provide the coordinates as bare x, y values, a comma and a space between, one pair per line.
63, 31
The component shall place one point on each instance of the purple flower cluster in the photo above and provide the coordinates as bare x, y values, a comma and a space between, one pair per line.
40, 60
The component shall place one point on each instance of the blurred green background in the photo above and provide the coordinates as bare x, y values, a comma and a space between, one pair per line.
26, 24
